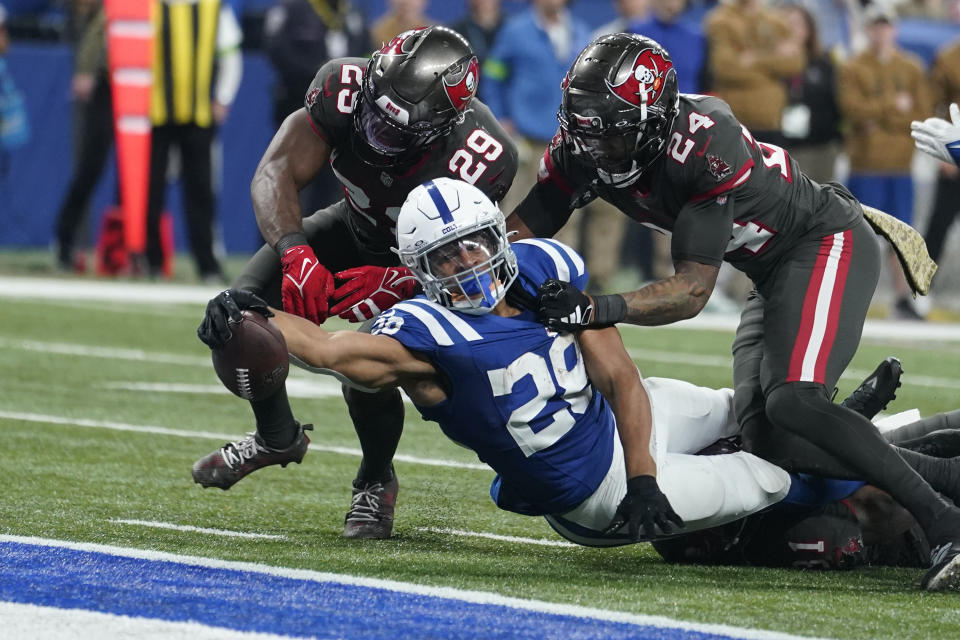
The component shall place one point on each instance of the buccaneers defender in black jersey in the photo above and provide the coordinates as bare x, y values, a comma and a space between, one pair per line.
684, 165
385, 126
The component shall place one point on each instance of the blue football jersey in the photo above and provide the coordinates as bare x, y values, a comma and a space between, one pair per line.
518, 393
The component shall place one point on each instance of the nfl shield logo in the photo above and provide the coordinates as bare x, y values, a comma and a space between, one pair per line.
386, 179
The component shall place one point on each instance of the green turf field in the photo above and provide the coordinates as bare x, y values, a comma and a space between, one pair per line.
96, 432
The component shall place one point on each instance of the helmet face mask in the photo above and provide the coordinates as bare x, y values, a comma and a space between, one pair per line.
619, 101
415, 90
454, 240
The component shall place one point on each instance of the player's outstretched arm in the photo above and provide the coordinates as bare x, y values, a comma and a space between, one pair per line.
295, 156
367, 360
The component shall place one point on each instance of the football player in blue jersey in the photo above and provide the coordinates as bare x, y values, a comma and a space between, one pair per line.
571, 429
568, 424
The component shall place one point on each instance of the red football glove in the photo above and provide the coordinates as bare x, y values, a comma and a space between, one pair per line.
370, 290
306, 284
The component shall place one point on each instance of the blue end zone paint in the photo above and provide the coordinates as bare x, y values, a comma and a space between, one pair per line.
249, 601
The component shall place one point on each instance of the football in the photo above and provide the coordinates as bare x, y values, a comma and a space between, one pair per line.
253, 363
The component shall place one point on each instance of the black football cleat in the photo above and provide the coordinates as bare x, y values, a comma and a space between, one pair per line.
944, 573
230, 463
371, 509
877, 391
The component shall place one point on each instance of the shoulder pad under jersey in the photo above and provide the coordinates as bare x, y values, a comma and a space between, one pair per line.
707, 153
540, 259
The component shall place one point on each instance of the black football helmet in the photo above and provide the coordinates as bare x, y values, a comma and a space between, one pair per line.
415, 90
619, 101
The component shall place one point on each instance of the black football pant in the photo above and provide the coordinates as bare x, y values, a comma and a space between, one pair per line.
94, 139
808, 319
196, 175
377, 417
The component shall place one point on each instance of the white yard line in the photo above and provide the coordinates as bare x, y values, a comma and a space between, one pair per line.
496, 536
191, 529
450, 593
300, 386
222, 437
33, 622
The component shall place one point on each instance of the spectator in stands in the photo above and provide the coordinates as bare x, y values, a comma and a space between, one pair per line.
93, 135
480, 27
810, 121
627, 11
751, 54
186, 108
523, 73
14, 131
663, 25
401, 16
880, 92
945, 81
299, 36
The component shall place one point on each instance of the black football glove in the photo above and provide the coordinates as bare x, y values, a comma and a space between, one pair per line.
214, 331
646, 506
563, 307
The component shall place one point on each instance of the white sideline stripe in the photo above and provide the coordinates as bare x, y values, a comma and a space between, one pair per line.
223, 437
164, 294
450, 593
186, 527
496, 536
49, 623
723, 362
138, 355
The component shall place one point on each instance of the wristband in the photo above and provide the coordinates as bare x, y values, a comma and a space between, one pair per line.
290, 240
608, 310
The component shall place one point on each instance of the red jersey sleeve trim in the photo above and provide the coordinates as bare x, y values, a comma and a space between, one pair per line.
316, 129
738, 179
553, 175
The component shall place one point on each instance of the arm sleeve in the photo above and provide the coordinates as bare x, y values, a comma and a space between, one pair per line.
229, 58
702, 231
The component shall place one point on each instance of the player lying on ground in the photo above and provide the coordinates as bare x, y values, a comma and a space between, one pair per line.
570, 428
685, 165
831, 524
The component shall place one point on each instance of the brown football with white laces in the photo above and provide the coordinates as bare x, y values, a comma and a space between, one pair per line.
253, 363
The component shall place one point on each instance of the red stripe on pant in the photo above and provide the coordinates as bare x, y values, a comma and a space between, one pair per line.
818, 332
836, 302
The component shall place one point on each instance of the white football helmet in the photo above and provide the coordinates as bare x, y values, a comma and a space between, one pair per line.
454, 239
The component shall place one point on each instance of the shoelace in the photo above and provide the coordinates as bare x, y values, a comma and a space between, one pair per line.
366, 504
234, 453
940, 554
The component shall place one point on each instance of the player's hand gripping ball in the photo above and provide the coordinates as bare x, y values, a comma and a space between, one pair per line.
250, 357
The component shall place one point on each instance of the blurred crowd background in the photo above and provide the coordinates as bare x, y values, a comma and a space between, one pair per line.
835, 82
